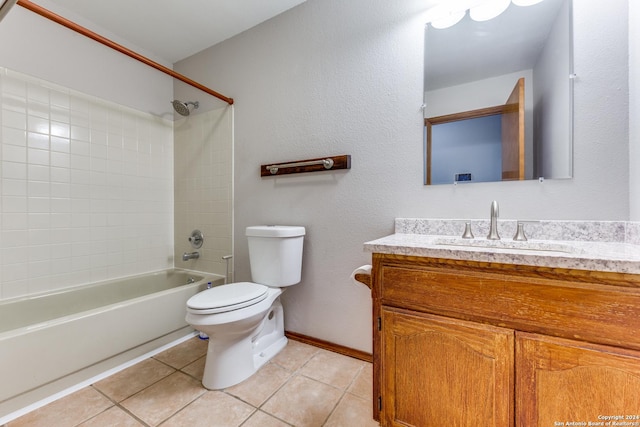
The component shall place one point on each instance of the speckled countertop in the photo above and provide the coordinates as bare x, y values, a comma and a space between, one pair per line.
584, 245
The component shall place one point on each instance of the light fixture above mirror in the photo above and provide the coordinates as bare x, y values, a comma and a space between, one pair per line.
448, 13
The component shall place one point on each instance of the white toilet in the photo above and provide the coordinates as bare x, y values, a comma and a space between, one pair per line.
244, 320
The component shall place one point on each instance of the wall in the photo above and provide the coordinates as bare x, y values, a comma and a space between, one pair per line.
336, 77
86, 190
204, 187
468, 146
634, 109
552, 111
41, 48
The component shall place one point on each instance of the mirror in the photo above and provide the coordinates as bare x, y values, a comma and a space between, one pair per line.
475, 130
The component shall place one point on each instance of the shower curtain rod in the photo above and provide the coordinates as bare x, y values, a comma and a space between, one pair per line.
113, 45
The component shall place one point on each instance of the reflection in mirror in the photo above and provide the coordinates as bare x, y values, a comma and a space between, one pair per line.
514, 72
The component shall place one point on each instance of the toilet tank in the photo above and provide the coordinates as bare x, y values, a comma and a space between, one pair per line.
275, 254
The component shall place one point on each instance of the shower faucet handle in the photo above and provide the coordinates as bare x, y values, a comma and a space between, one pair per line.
196, 239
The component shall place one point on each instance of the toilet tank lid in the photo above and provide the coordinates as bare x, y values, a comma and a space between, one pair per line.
275, 231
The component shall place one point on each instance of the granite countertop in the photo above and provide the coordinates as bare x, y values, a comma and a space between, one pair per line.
584, 245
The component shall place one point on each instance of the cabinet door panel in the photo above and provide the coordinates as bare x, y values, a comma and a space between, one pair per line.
438, 371
560, 381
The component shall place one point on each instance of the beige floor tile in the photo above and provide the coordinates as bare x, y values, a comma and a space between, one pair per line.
352, 411
129, 381
213, 409
164, 398
294, 355
261, 419
68, 411
303, 402
113, 416
195, 369
332, 368
259, 387
184, 353
362, 386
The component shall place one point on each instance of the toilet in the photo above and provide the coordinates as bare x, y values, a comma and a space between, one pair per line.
245, 320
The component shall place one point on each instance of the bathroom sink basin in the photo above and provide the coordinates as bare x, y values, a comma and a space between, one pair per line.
539, 247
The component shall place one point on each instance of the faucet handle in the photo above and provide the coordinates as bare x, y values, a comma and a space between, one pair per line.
468, 234
196, 239
520, 236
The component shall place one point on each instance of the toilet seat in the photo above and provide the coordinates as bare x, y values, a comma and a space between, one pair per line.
232, 296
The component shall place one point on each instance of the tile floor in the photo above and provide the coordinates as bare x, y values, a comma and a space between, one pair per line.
302, 386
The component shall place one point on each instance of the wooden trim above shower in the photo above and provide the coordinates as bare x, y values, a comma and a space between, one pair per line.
113, 45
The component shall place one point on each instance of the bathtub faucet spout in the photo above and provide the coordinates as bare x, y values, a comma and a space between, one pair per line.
192, 255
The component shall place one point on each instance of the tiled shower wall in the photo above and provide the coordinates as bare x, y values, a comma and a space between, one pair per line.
86, 188
203, 188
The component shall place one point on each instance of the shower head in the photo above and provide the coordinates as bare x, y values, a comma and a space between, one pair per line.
182, 108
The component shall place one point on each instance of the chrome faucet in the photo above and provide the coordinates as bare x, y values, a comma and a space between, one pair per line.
493, 231
192, 255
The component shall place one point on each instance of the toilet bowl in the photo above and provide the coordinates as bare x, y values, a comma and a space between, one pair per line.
245, 320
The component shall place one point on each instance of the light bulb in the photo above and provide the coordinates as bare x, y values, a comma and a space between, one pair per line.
449, 20
488, 10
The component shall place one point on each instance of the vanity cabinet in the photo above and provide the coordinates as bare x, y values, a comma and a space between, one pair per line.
434, 366
562, 380
462, 343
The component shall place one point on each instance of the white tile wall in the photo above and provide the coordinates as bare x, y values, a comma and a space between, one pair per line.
203, 187
86, 188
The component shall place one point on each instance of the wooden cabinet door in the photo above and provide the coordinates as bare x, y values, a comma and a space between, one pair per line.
445, 372
561, 382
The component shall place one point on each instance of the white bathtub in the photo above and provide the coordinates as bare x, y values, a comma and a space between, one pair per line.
47, 338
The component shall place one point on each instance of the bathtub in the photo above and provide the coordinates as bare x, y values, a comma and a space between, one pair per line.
47, 338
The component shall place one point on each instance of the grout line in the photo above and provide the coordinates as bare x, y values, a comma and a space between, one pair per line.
266, 413
183, 408
344, 393
119, 406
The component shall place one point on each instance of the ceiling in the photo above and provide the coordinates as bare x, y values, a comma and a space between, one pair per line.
170, 30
